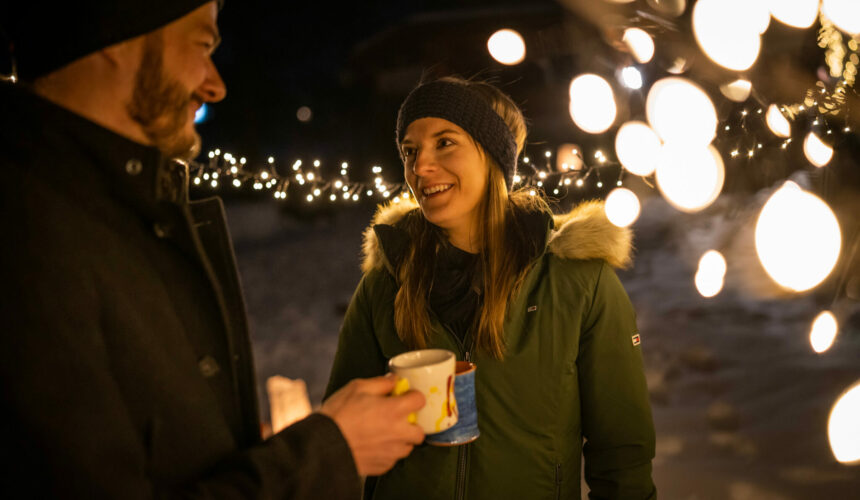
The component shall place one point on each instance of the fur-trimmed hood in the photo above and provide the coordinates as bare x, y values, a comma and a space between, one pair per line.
582, 233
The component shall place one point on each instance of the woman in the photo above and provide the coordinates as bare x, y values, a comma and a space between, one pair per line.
530, 298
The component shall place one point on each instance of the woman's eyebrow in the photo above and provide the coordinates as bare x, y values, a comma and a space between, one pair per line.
407, 140
446, 131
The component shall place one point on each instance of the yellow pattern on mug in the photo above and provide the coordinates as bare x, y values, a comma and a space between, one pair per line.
402, 387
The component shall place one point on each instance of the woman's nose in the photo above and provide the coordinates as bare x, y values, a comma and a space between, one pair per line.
424, 162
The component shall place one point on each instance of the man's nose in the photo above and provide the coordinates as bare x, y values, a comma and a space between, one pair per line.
213, 88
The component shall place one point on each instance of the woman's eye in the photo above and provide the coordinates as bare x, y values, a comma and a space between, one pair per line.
445, 142
407, 152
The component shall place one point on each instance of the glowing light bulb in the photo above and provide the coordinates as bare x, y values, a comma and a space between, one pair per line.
592, 103
622, 207
507, 47
631, 78
797, 238
777, 123
637, 147
842, 429
726, 34
271, 160
680, 111
794, 13
818, 153
738, 90
690, 177
823, 332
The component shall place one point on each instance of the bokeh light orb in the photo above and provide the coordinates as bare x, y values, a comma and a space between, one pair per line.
690, 177
797, 238
201, 114
640, 43
738, 90
680, 111
304, 114
777, 122
622, 207
637, 148
845, 14
794, 13
711, 273
507, 47
592, 103
708, 285
816, 151
842, 429
713, 263
758, 15
823, 332
726, 33
631, 78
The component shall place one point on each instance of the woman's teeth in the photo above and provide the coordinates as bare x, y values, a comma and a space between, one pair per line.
436, 189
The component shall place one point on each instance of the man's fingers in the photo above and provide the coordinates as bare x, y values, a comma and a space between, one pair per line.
379, 386
407, 403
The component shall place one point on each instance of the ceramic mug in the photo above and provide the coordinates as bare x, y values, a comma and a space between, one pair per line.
430, 372
466, 429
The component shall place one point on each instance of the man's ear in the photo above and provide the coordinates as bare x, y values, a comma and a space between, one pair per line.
123, 55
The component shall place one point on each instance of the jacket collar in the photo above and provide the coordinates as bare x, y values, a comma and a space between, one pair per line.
79, 155
582, 233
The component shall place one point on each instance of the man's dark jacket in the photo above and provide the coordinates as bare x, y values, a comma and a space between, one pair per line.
124, 352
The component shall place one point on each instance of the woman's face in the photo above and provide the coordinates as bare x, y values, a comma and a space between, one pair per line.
446, 172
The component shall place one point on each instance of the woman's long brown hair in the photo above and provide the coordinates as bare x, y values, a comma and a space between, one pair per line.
504, 254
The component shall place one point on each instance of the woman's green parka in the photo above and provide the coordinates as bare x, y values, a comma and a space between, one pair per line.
571, 382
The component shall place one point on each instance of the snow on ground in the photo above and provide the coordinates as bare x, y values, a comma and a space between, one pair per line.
740, 400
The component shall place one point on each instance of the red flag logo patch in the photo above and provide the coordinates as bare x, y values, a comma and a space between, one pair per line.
636, 339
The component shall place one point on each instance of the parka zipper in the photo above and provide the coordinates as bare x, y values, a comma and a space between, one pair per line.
557, 481
462, 453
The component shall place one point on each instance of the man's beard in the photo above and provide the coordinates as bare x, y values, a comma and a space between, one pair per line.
160, 105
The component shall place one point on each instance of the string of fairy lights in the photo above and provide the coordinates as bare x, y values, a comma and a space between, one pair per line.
544, 176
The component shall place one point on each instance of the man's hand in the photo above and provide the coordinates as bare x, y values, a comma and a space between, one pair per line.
375, 424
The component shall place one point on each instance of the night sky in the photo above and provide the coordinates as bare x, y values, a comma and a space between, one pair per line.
276, 57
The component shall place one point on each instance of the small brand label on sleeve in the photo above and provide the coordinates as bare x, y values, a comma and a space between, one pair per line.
532, 309
636, 339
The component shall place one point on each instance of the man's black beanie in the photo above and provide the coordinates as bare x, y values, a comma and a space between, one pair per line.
46, 36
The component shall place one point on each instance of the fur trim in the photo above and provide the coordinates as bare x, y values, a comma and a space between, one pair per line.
390, 213
586, 233
582, 233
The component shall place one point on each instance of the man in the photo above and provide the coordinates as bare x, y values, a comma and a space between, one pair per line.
124, 353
